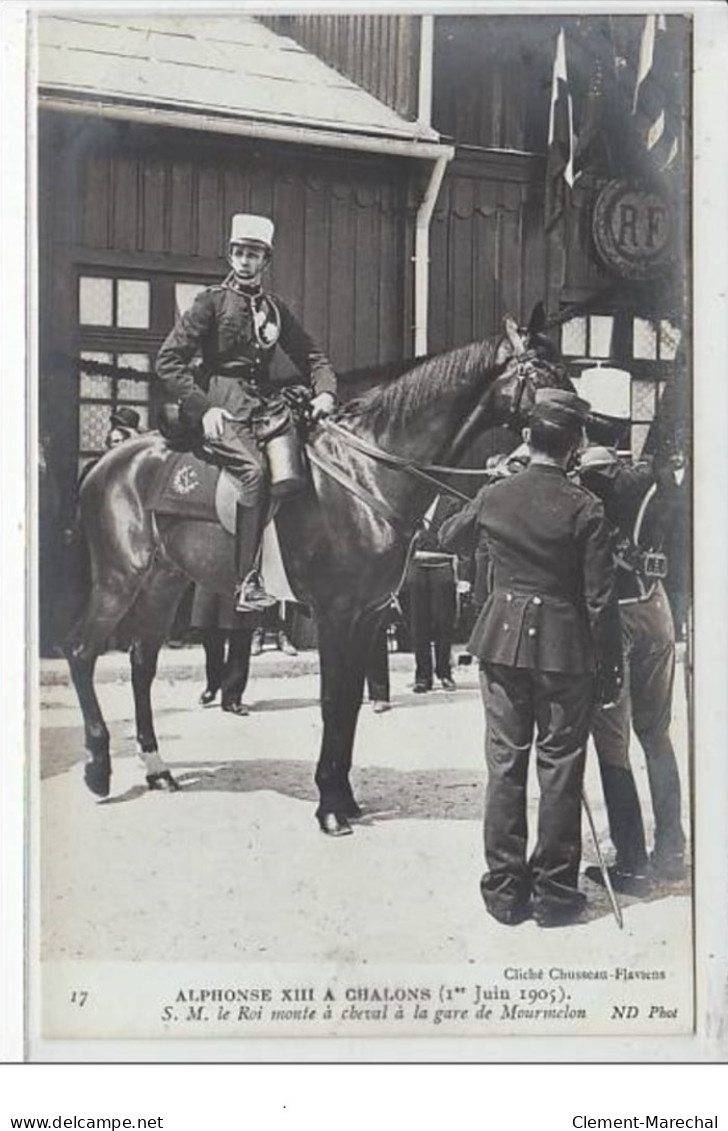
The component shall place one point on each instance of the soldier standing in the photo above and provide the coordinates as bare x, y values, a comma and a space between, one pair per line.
235, 327
548, 644
648, 640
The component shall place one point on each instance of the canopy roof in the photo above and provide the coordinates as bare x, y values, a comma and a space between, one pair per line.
223, 66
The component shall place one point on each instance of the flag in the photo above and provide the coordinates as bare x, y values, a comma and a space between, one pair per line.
560, 153
654, 120
589, 143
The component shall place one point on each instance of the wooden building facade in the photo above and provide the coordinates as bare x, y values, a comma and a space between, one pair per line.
133, 213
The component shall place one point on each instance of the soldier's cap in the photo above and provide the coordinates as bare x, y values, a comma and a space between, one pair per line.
596, 457
124, 417
560, 407
247, 228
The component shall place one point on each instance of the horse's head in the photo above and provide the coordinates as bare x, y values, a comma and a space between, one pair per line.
528, 361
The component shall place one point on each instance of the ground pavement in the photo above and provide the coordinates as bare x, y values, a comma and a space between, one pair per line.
233, 867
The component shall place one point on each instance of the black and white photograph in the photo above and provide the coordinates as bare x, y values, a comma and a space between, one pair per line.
363, 475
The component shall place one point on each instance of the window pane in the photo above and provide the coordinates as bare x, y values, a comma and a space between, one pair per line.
669, 340
643, 400
644, 340
132, 303
143, 411
639, 438
129, 388
94, 421
95, 385
95, 301
600, 335
573, 338
185, 294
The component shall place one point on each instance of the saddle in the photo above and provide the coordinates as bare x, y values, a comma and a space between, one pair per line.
191, 487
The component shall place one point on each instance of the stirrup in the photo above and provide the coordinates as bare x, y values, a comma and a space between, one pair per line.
250, 596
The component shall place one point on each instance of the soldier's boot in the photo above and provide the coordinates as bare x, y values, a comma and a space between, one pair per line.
284, 644
630, 872
250, 594
668, 858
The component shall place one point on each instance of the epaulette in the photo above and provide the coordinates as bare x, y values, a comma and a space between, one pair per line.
585, 491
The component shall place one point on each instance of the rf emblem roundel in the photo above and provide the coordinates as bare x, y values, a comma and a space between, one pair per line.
632, 232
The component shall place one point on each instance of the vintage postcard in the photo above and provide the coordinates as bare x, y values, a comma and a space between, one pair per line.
361, 723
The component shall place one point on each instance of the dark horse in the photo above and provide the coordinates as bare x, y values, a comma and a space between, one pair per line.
344, 544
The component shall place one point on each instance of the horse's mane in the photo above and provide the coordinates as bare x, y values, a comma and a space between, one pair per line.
423, 381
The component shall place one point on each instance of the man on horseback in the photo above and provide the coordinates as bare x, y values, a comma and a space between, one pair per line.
235, 328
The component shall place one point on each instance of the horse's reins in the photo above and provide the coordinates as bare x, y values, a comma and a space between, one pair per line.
427, 473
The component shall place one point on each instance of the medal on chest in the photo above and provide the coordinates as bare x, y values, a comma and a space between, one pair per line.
266, 321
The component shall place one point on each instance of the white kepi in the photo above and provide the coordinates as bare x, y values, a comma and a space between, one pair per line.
247, 228
607, 389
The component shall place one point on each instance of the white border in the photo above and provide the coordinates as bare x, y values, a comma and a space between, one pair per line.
711, 421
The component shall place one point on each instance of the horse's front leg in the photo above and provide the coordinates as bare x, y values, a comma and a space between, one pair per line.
143, 655
343, 652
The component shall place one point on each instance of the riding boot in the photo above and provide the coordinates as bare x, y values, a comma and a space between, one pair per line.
624, 813
250, 596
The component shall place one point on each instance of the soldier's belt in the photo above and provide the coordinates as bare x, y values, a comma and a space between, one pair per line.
649, 563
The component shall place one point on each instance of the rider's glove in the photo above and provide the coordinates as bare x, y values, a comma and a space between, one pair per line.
322, 405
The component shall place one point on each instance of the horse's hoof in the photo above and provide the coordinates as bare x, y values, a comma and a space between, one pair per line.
333, 825
163, 781
97, 778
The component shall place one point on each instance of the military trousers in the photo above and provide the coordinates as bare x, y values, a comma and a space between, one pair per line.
433, 611
645, 701
238, 451
227, 660
555, 708
377, 668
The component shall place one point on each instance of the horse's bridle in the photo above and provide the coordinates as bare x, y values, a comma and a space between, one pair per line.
525, 370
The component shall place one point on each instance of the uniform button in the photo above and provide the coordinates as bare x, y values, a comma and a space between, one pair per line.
505, 627
537, 601
532, 632
509, 596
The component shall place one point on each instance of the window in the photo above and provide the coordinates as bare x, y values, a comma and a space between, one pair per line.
654, 341
588, 337
122, 321
646, 396
114, 302
185, 294
106, 381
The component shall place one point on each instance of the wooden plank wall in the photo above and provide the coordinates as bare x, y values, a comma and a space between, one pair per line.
159, 204
379, 53
488, 252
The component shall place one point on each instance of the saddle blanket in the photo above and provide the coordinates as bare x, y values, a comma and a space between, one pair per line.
192, 488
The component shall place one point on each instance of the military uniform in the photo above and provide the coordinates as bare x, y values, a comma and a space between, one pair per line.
226, 638
548, 627
432, 602
236, 331
235, 328
648, 641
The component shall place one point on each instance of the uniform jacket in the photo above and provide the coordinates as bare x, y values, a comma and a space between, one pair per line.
553, 606
235, 332
462, 533
427, 551
622, 487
